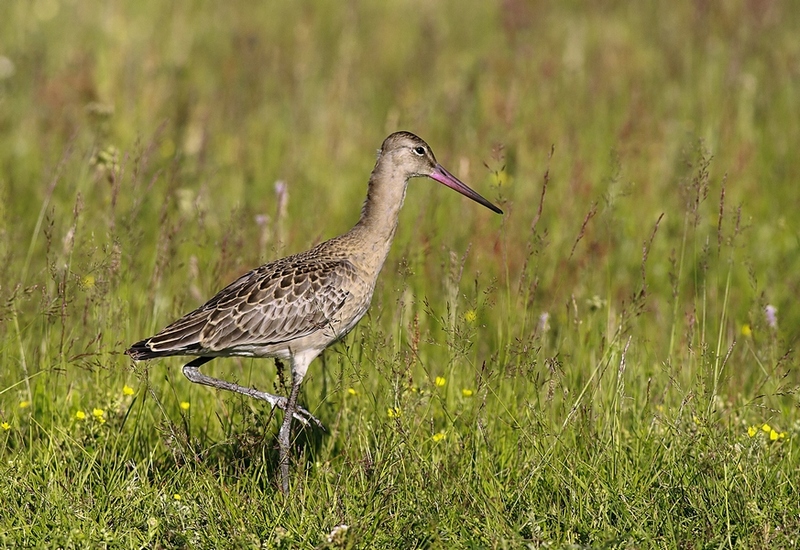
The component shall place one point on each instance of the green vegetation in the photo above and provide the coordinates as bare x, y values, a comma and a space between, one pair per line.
595, 367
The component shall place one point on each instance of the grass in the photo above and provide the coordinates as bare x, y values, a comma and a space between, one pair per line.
594, 368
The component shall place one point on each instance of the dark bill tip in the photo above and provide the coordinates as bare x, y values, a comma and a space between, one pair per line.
446, 178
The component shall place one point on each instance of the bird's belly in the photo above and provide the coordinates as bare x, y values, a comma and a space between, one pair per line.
347, 318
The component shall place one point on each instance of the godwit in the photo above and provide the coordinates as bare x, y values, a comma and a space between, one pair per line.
295, 307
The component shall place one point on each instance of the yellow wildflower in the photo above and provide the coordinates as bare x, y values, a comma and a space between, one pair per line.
752, 431
24, 404
747, 332
394, 412
98, 415
185, 405
437, 437
176, 496
470, 316
440, 381
127, 390
773, 435
6, 426
87, 281
80, 415
766, 428
466, 392
352, 391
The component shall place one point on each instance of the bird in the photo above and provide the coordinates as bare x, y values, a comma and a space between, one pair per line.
292, 308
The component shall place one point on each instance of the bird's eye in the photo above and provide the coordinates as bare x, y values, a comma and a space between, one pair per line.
419, 150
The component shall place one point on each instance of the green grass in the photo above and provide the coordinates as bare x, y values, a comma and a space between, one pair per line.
604, 344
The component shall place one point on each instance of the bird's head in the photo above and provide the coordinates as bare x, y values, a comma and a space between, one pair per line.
409, 154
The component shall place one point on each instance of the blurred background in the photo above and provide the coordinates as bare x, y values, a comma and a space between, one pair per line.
144, 109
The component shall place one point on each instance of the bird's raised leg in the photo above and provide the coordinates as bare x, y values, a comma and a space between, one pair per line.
285, 434
192, 372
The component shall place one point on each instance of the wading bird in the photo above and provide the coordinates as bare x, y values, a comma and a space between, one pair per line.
293, 308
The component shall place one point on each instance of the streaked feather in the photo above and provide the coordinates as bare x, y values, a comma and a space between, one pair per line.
276, 303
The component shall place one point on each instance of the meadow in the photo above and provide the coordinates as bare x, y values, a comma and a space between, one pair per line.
611, 363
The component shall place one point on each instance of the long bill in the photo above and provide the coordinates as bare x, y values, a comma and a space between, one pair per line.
446, 178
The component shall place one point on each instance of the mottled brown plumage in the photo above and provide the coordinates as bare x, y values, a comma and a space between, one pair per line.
262, 312
295, 307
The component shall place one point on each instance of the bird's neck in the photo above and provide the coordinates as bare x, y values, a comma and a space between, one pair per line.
379, 215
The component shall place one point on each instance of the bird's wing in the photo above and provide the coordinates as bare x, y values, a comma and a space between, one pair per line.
273, 304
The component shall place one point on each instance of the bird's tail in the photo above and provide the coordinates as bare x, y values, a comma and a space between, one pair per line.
143, 350
179, 338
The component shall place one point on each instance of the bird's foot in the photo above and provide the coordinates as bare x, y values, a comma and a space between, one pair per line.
301, 414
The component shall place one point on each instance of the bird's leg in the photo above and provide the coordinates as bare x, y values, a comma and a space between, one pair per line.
285, 434
192, 371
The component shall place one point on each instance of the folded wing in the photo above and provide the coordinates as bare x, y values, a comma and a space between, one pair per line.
273, 304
